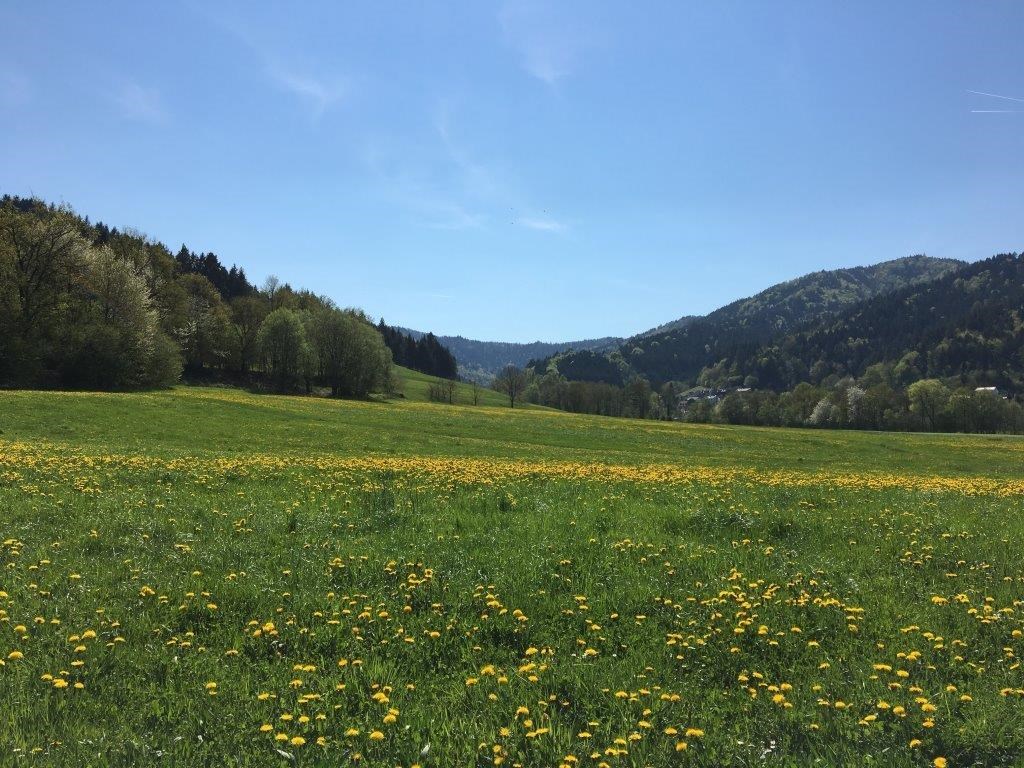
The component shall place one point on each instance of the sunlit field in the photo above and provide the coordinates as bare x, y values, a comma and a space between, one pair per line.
207, 577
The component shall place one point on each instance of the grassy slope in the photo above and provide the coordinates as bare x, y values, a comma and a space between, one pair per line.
196, 420
413, 385
646, 600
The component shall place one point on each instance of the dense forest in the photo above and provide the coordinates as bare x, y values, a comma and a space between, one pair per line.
86, 306
968, 324
691, 344
945, 353
879, 400
871, 402
481, 361
422, 352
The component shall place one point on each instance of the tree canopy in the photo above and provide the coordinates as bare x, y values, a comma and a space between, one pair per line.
89, 306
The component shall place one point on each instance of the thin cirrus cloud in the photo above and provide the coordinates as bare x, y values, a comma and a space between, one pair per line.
483, 184
278, 62
407, 186
548, 44
451, 195
996, 96
996, 111
541, 224
318, 94
446, 214
136, 102
474, 178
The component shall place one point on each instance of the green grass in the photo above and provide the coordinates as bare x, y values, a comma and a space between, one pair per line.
413, 386
783, 592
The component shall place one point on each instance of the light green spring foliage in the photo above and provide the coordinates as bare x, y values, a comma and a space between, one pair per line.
206, 577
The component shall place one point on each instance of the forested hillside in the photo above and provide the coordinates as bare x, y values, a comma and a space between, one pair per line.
680, 353
944, 354
968, 324
672, 325
481, 360
88, 306
423, 352
915, 343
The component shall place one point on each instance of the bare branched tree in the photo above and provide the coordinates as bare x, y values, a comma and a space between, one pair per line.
511, 382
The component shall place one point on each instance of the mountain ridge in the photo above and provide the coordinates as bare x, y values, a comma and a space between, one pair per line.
967, 323
480, 360
681, 352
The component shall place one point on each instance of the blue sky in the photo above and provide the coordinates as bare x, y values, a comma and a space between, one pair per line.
520, 171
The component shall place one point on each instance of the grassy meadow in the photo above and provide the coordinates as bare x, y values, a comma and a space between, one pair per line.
205, 577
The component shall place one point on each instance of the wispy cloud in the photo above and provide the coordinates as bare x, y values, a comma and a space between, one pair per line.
136, 102
281, 64
452, 194
547, 42
454, 189
995, 96
319, 94
412, 188
475, 178
541, 224
996, 111
483, 183
447, 214
450, 187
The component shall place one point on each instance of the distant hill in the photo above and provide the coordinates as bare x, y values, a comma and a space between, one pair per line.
672, 325
481, 360
424, 353
966, 324
691, 344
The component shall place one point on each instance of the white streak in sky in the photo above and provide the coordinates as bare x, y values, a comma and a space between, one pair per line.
319, 94
548, 38
995, 96
541, 224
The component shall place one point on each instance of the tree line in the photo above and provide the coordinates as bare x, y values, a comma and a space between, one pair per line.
959, 331
888, 396
928, 405
548, 387
87, 306
426, 353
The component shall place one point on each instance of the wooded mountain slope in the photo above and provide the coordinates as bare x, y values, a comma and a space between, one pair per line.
965, 324
742, 326
480, 360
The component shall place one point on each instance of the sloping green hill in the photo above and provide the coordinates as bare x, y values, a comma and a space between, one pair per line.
966, 324
223, 421
414, 386
682, 352
481, 360
294, 581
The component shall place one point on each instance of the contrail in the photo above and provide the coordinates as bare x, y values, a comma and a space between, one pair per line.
996, 111
995, 96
